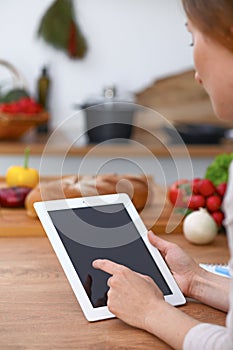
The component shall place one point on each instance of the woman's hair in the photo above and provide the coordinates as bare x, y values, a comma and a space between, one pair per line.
212, 17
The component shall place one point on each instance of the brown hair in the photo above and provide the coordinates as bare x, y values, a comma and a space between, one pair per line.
212, 17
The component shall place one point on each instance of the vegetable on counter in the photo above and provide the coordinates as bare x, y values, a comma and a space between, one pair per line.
22, 176
26, 105
179, 192
200, 201
217, 171
14, 95
190, 195
13, 197
199, 227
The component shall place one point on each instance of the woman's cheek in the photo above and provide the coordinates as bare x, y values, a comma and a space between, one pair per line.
219, 106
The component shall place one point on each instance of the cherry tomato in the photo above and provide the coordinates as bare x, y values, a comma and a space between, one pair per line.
221, 189
213, 203
179, 193
218, 217
196, 201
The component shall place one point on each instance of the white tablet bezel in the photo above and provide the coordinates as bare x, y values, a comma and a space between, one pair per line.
90, 312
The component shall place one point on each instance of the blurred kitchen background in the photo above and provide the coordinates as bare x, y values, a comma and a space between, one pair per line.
137, 51
131, 44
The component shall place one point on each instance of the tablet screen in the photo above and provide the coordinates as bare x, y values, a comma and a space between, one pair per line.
108, 232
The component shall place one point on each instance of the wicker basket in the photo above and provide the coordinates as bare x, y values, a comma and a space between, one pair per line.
14, 126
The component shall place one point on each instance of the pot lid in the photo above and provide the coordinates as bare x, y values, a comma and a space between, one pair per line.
109, 94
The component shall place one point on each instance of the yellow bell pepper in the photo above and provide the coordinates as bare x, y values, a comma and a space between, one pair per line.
22, 175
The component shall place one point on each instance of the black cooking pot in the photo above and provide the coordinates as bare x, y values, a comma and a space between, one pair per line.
109, 121
109, 118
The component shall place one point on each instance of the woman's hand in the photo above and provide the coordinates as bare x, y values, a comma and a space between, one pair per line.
194, 281
137, 300
131, 296
182, 266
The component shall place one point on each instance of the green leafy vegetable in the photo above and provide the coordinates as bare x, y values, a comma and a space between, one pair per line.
14, 95
217, 171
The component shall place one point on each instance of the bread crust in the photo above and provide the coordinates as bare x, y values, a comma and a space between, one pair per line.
136, 186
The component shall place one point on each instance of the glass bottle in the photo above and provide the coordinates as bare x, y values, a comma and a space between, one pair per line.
43, 87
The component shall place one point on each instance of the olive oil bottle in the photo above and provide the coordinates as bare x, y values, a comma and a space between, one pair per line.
43, 87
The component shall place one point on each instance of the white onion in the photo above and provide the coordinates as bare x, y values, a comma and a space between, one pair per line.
199, 227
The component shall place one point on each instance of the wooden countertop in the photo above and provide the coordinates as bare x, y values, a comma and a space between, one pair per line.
39, 310
140, 144
15, 221
38, 307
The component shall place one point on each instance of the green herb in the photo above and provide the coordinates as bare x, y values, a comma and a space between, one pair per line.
217, 171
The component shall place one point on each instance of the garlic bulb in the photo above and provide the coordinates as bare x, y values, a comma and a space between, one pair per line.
199, 227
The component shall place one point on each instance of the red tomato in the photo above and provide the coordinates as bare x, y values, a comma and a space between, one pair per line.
196, 201
195, 184
213, 203
221, 189
25, 105
218, 216
206, 187
179, 193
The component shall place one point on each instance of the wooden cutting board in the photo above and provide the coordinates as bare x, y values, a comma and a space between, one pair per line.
15, 221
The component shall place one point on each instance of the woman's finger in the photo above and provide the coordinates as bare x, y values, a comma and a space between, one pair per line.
107, 266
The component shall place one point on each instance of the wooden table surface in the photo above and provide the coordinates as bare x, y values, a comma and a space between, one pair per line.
14, 222
38, 309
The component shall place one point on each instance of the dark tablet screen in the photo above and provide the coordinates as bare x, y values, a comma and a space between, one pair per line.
108, 232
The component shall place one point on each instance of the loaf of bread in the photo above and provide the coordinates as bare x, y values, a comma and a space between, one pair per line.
136, 186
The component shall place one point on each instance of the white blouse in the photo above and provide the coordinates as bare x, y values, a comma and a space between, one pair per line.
207, 336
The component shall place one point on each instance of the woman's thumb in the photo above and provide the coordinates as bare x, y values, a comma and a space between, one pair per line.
157, 242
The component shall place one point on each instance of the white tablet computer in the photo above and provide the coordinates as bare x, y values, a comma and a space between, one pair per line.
108, 226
